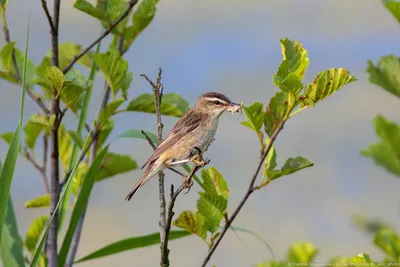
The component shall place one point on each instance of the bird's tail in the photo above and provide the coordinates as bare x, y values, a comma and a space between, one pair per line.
148, 174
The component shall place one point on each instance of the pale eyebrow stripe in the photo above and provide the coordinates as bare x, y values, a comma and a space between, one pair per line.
216, 98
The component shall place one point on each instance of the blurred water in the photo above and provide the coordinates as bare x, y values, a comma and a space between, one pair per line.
233, 47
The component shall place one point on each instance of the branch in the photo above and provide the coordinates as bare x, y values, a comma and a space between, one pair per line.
250, 190
49, 18
41, 169
17, 74
131, 4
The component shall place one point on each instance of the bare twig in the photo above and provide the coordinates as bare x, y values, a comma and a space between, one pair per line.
41, 169
29, 91
131, 4
49, 18
250, 190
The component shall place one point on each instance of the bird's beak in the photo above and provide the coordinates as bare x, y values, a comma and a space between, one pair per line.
233, 107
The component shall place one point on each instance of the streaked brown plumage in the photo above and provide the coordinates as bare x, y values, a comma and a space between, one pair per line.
196, 129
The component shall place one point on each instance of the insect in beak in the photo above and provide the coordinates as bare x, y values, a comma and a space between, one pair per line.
234, 108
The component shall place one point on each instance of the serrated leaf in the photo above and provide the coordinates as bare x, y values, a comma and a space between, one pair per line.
276, 112
388, 240
38, 202
89, 9
7, 137
134, 133
34, 232
110, 109
255, 116
114, 68
302, 253
212, 207
327, 82
76, 138
130, 244
64, 146
386, 73
214, 183
172, 104
192, 222
55, 78
361, 260
393, 7
386, 153
114, 164
143, 15
291, 165
291, 70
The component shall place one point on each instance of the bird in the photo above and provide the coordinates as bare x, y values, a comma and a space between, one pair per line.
190, 136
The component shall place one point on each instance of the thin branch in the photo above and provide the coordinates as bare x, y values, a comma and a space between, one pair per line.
131, 4
41, 169
250, 190
17, 75
49, 18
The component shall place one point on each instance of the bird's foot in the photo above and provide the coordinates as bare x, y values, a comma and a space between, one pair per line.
187, 184
198, 160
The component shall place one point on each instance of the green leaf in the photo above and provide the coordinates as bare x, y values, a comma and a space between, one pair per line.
114, 164
7, 137
76, 138
34, 232
7, 171
214, 183
302, 253
89, 9
192, 222
277, 111
388, 240
272, 264
134, 133
55, 78
28, 71
212, 207
3, 5
393, 7
41, 79
115, 69
254, 115
292, 68
64, 146
327, 82
38, 202
131, 243
34, 127
386, 153
144, 14
6, 56
74, 85
81, 203
362, 260
172, 104
110, 110
105, 132
291, 165
11, 250
78, 177
270, 160
386, 73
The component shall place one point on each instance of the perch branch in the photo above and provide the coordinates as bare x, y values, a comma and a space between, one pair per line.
48, 16
131, 4
250, 190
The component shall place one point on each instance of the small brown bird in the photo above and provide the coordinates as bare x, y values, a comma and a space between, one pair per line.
194, 131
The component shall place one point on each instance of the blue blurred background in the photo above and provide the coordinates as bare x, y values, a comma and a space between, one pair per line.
232, 46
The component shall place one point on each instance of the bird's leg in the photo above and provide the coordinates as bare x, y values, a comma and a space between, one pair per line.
187, 183
198, 157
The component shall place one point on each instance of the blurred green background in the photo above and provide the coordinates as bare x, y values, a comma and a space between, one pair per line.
232, 47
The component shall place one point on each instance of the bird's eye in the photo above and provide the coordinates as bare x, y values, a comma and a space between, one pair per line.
217, 102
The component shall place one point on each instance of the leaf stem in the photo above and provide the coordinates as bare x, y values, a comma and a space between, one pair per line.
297, 111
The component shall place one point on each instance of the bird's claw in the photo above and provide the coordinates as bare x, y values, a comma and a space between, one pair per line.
187, 184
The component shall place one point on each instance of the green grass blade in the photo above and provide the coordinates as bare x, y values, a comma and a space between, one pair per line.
132, 243
11, 251
75, 149
12, 154
83, 198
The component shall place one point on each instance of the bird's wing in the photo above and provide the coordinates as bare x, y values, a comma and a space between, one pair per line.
188, 123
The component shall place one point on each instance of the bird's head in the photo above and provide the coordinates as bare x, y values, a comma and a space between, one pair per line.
216, 103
